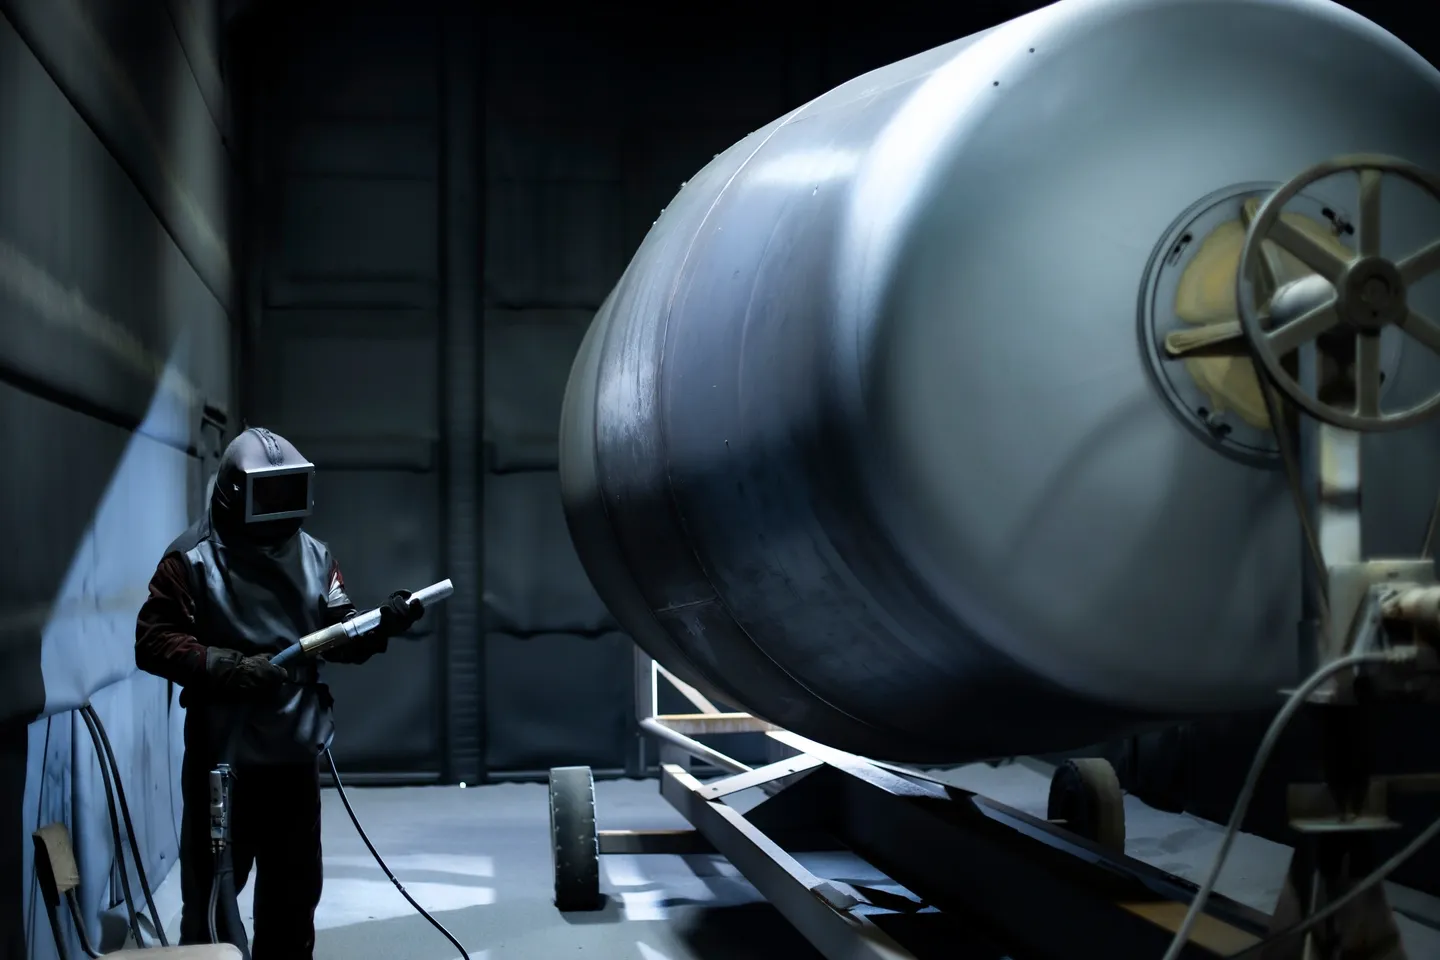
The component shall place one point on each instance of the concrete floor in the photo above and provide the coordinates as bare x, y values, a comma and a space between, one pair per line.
479, 860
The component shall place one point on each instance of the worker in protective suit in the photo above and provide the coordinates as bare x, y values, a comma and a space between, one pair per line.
235, 589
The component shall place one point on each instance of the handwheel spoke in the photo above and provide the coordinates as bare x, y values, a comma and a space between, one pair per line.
1307, 250
1304, 328
1420, 264
1367, 374
1422, 328
1269, 264
1369, 228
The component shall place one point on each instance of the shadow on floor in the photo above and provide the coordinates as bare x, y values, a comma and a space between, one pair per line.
610, 912
748, 931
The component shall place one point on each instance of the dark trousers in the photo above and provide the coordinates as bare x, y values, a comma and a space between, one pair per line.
274, 828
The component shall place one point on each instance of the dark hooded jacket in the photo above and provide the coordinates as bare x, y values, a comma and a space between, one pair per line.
252, 588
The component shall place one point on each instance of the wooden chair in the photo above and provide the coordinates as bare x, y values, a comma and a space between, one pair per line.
59, 876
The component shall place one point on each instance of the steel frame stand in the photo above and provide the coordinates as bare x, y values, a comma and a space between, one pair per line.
969, 877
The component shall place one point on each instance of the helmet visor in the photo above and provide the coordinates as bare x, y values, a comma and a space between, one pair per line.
278, 493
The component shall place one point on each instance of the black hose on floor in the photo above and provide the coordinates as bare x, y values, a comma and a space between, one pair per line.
340, 789
140, 874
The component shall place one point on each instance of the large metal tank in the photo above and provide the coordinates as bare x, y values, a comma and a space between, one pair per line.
872, 439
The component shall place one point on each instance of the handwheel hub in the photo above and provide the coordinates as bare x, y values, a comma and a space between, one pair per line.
1372, 294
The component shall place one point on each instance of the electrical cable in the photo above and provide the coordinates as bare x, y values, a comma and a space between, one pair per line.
340, 789
115, 835
1335, 906
85, 943
1257, 766
140, 872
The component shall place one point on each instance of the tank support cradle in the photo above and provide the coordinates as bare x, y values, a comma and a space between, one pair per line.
962, 875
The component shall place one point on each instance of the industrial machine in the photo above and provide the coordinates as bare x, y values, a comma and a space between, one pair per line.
869, 450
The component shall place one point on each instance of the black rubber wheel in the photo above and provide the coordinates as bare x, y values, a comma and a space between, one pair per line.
1085, 797
574, 840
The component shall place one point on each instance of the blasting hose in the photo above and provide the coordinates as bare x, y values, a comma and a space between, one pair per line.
223, 895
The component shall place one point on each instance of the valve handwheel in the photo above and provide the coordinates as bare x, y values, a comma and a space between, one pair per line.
1367, 293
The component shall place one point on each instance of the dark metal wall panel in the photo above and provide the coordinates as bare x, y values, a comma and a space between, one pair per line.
579, 147
121, 65
383, 527
96, 298
533, 579
94, 533
106, 328
553, 699
376, 149
346, 62
527, 362
553, 243
114, 333
347, 358
95, 508
199, 30
716, 79
355, 229
560, 69
387, 718
464, 191
332, 373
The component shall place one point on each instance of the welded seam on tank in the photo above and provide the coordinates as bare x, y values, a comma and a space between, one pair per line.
659, 379
826, 547
660, 413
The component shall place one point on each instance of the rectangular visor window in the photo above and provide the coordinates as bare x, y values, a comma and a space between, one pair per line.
278, 496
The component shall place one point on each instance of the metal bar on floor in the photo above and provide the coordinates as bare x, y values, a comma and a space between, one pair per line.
1017, 868
819, 909
1008, 876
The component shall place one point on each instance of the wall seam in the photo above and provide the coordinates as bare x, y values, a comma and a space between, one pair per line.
461, 244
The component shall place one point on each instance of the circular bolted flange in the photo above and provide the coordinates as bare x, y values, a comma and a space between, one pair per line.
1366, 293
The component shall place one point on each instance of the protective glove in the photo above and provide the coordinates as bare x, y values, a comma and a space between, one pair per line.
399, 614
242, 677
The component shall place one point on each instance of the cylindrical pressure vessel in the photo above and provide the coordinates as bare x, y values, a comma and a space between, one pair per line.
876, 439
